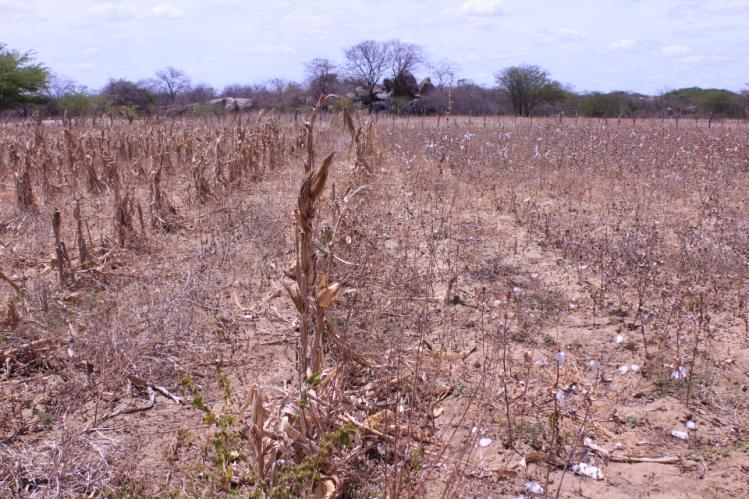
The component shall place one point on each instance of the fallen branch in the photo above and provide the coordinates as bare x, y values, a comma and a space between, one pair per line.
7, 279
160, 389
131, 410
620, 458
644, 459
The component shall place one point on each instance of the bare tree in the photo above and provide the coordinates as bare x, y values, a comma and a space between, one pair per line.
367, 63
444, 72
172, 81
405, 57
321, 76
59, 86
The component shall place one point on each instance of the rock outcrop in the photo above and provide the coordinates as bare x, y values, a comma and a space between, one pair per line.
233, 103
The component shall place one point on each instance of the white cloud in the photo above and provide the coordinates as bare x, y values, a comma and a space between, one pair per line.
12, 6
13, 9
562, 35
674, 50
691, 60
90, 50
482, 7
113, 11
270, 49
164, 11
702, 9
622, 45
86, 65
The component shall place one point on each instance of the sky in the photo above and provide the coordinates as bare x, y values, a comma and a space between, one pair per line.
648, 46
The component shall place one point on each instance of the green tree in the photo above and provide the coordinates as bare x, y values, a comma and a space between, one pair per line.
124, 93
721, 103
599, 105
711, 102
22, 80
527, 86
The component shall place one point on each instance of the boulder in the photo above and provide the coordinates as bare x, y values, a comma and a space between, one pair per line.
405, 85
426, 86
232, 103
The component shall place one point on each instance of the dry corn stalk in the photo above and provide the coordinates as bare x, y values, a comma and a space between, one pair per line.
83, 254
309, 194
122, 220
24, 194
64, 266
163, 213
311, 288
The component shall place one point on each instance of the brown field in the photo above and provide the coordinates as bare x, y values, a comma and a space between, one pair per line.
460, 307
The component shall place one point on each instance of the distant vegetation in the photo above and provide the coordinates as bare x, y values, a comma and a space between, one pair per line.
379, 76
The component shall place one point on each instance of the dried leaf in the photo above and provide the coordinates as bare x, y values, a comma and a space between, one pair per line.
327, 295
293, 291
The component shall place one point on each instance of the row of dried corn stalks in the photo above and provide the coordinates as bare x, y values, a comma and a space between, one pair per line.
130, 168
318, 434
63, 160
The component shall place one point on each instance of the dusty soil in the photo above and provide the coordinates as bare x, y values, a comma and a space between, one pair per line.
513, 251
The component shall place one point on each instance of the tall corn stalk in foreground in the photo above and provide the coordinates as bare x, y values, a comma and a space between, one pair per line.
313, 293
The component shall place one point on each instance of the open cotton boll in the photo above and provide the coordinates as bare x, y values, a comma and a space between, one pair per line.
679, 373
681, 435
534, 488
588, 470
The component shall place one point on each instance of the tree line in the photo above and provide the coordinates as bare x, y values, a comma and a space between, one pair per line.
379, 76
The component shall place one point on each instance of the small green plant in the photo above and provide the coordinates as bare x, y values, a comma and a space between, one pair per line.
530, 433
45, 419
226, 443
633, 422
297, 480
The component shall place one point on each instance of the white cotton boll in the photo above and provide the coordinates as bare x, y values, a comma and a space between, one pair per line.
588, 470
560, 398
534, 275
691, 425
635, 368
540, 363
679, 373
485, 442
517, 290
534, 488
560, 357
623, 369
595, 364
681, 435
619, 339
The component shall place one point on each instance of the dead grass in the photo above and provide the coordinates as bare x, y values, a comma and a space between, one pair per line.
476, 306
